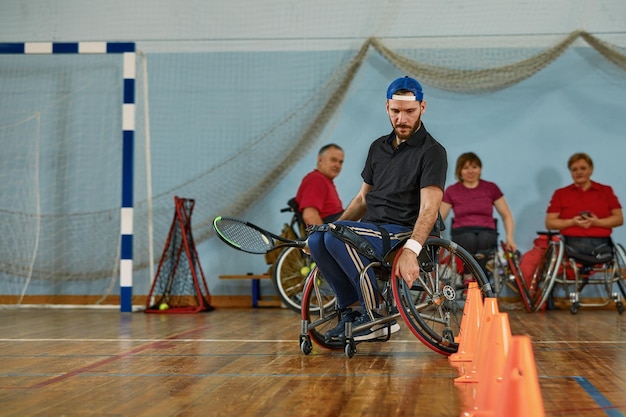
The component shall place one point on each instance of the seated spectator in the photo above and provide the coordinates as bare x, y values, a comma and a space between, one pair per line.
472, 199
317, 197
586, 211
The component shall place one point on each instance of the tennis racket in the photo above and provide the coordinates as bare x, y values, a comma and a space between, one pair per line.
247, 237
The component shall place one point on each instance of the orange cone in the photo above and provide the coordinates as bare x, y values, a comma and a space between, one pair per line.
500, 343
470, 322
491, 372
520, 392
467, 395
482, 346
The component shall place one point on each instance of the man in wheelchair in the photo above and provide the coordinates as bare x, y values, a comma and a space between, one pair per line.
403, 182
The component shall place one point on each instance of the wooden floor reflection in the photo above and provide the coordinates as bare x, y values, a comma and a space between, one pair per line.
247, 362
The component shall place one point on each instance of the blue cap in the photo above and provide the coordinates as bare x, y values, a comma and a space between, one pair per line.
405, 83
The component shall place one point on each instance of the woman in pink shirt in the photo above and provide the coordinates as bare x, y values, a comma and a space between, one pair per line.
472, 199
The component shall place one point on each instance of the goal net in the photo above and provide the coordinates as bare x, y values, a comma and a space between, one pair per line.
60, 178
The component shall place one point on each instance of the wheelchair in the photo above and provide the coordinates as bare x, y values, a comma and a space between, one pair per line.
432, 308
573, 271
498, 270
292, 266
494, 263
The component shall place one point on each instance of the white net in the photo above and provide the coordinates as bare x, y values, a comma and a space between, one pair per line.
229, 116
21, 201
248, 117
60, 181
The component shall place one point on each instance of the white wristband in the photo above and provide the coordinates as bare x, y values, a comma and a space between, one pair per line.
413, 245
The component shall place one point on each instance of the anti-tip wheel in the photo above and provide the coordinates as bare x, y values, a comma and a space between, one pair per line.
350, 349
306, 346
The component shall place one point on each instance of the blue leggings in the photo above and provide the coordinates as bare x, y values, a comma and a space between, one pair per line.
341, 264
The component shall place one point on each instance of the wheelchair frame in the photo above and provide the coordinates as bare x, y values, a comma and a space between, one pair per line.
499, 271
498, 268
432, 308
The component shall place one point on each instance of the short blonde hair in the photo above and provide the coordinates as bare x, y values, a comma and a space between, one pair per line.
577, 157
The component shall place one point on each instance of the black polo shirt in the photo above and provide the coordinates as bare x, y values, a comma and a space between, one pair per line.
398, 175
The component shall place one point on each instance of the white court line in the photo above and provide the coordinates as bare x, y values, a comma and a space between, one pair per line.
538, 342
178, 340
147, 340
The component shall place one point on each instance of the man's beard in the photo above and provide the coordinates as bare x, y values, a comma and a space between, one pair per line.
414, 128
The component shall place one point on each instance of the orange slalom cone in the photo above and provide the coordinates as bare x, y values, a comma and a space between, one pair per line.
471, 287
491, 373
482, 346
470, 323
521, 393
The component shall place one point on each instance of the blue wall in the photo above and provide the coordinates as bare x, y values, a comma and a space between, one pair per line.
523, 134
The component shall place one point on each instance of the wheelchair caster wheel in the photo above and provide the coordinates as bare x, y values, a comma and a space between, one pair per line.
350, 349
306, 346
620, 307
573, 309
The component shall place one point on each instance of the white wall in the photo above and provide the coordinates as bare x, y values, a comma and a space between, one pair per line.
251, 22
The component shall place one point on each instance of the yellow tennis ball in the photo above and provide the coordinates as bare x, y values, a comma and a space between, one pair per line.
163, 306
313, 265
304, 271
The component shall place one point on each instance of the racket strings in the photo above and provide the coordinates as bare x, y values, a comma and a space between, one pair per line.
245, 237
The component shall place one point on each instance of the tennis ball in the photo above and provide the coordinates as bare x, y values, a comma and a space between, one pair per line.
163, 306
313, 265
304, 271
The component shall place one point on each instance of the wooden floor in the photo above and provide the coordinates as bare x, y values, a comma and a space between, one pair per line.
247, 362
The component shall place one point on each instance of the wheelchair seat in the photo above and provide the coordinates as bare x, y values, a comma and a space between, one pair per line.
602, 254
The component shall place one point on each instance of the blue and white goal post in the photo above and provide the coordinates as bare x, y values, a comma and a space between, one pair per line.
127, 51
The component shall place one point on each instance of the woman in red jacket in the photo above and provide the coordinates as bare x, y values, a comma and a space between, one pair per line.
586, 211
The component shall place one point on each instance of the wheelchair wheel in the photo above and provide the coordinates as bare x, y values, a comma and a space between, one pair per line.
319, 311
620, 263
513, 265
545, 275
433, 307
290, 271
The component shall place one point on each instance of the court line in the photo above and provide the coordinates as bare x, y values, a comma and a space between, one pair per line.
598, 397
84, 369
182, 340
177, 339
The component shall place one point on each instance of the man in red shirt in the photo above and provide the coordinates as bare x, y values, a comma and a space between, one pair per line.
317, 196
